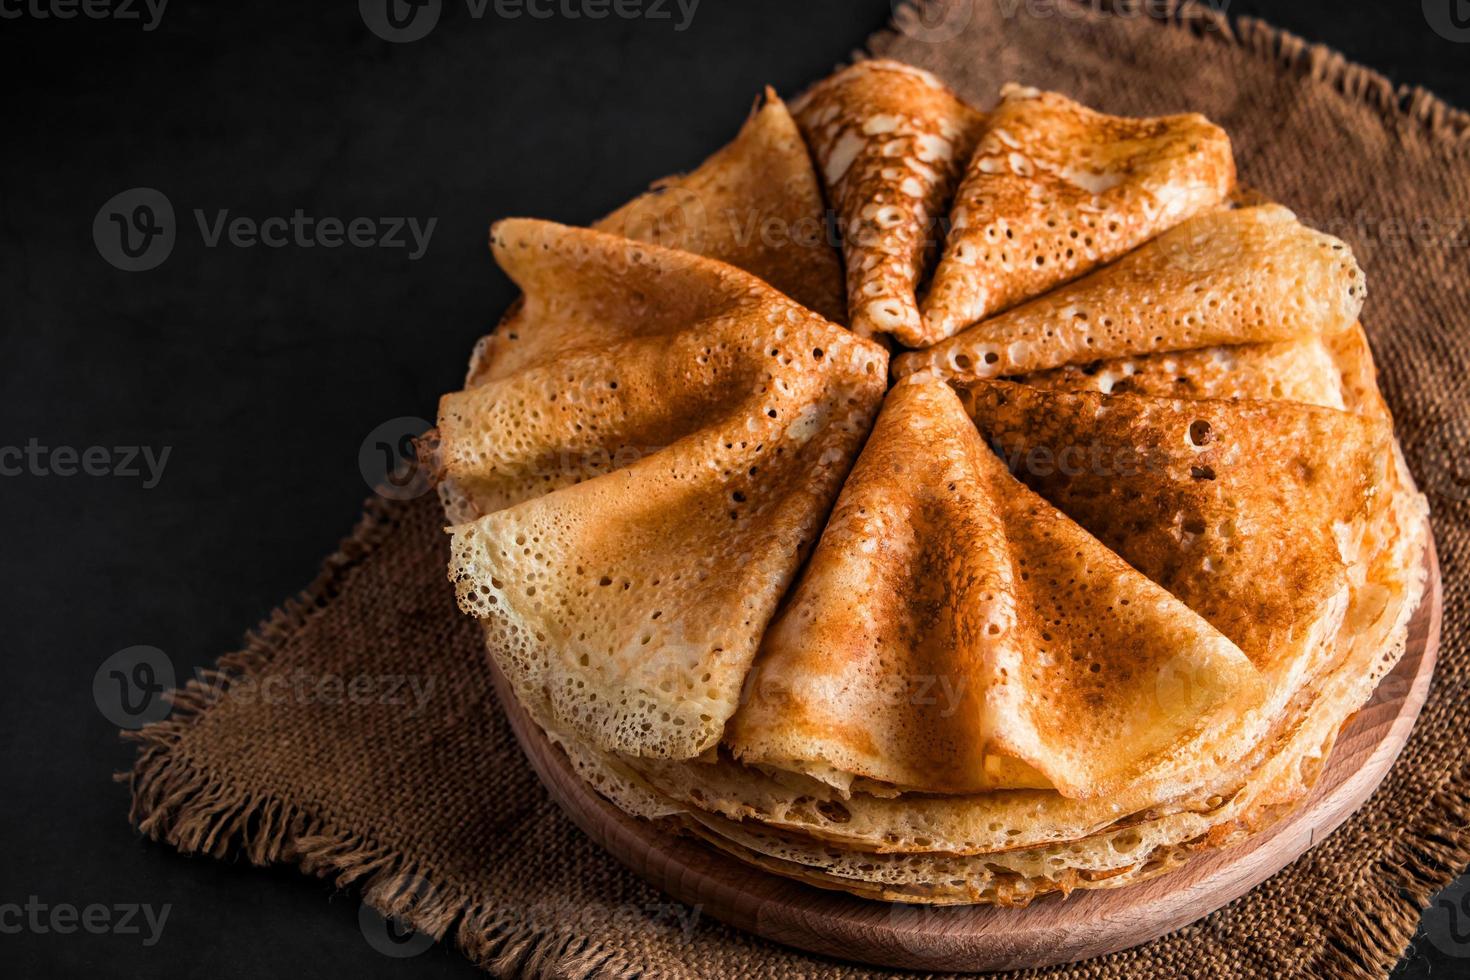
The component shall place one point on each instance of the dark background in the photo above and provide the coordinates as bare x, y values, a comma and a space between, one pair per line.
265, 369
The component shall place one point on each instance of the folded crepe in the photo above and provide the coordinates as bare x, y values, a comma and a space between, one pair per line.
1388, 582
1055, 189
1008, 848
1360, 392
1027, 844
914, 848
951, 622
1236, 507
646, 498
1131, 849
1227, 277
891, 142
636, 486
1097, 843
755, 204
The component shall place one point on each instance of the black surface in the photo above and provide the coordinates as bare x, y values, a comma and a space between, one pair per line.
264, 369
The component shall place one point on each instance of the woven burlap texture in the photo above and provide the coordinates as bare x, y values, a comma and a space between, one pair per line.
434, 813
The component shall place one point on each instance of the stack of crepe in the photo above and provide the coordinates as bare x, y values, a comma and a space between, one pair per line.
1037, 531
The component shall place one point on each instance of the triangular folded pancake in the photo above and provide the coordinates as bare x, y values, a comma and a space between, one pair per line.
1227, 277
1055, 189
891, 142
966, 697
1293, 370
648, 498
850, 830
829, 844
849, 833
755, 204
951, 622
1233, 506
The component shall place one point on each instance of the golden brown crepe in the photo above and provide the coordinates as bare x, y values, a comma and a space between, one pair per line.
891, 142
976, 689
951, 621
1233, 506
648, 498
1130, 849
1034, 833
1226, 277
899, 848
755, 204
1102, 833
1055, 189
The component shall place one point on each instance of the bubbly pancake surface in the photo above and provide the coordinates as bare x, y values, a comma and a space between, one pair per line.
1231, 505
1055, 189
952, 623
647, 499
891, 142
865, 654
756, 204
1227, 277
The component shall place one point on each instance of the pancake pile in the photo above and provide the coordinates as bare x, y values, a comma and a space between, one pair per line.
1036, 524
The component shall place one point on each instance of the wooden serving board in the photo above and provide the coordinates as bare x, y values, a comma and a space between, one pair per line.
981, 938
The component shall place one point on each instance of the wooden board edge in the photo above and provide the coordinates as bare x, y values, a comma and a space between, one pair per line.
982, 938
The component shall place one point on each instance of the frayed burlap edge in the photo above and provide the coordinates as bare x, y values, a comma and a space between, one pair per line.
1371, 927
1285, 51
197, 812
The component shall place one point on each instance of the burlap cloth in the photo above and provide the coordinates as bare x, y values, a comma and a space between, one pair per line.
428, 805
